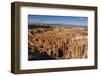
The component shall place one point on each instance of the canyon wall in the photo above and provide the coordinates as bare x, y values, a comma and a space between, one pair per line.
59, 43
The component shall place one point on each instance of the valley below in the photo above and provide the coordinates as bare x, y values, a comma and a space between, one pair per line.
57, 42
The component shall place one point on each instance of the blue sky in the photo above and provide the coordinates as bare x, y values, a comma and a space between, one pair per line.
58, 19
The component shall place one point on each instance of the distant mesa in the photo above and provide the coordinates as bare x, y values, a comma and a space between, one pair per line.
48, 25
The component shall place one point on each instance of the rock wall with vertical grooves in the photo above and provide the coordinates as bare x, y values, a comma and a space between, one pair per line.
59, 43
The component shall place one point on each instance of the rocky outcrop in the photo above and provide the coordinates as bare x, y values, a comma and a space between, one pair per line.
59, 43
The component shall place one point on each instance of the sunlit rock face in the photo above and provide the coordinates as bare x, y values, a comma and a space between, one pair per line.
58, 43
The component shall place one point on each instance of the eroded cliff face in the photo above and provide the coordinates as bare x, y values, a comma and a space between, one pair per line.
59, 43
